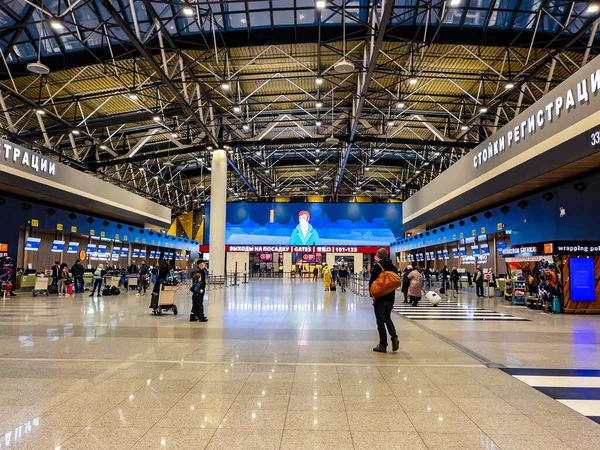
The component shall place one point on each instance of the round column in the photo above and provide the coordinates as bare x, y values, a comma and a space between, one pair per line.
218, 203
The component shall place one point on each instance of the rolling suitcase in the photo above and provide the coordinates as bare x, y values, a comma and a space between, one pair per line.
70, 289
53, 289
332, 287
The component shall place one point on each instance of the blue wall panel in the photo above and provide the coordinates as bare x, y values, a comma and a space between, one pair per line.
539, 221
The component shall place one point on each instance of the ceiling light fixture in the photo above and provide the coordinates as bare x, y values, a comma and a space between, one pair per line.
156, 118
174, 135
225, 86
464, 127
367, 168
318, 123
40, 112
454, 2
103, 147
57, 25
75, 132
246, 127
319, 81
133, 96
413, 80
188, 10
509, 85
390, 123
237, 109
483, 109
593, 8
319, 105
400, 105
320, 4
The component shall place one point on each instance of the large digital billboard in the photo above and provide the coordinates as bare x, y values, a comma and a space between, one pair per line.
583, 280
357, 224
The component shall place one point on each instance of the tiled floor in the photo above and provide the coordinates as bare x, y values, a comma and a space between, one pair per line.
280, 365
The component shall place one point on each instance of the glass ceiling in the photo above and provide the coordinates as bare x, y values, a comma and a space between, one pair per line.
86, 23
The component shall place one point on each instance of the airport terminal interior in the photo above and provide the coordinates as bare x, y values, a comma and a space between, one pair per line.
299, 224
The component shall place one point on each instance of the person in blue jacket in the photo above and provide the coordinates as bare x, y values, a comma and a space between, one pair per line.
304, 234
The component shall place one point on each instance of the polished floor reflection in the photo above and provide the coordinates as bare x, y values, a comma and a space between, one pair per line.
281, 365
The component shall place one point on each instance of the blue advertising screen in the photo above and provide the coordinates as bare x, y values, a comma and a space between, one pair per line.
57, 246
32, 244
124, 251
583, 281
359, 224
91, 248
73, 247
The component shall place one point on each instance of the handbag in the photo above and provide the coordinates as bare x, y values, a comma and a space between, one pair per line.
386, 282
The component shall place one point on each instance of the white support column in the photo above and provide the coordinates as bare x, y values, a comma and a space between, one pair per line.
287, 264
218, 203
330, 259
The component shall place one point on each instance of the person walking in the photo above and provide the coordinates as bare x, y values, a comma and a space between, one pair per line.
327, 277
454, 277
427, 274
406, 282
197, 289
97, 277
77, 270
315, 274
384, 305
343, 277
414, 288
144, 275
445, 273
479, 281
163, 274
63, 282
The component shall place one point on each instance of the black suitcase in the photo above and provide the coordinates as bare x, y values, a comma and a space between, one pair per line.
154, 300
106, 291
53, 289
115, 290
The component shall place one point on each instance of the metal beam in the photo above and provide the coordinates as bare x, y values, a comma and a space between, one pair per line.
364, 82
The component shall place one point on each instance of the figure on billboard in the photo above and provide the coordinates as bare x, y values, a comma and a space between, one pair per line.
304, 234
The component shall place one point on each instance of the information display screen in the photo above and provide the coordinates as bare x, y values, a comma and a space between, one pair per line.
73, 247
152, 254
440, 255
143, 253
57, 246
124, 251
475, 250
136, 253
485, 249
463, 251
91, 248
116, 251
102, 251
455, 252
582, 281
446, 254
32, 244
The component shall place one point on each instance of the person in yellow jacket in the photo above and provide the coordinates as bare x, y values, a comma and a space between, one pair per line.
326, 271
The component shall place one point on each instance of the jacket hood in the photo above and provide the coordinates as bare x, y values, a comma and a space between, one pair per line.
387, 264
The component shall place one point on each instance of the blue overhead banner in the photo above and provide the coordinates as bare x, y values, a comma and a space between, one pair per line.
359, 224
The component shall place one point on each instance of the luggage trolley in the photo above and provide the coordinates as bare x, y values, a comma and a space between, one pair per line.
132, 282
166, 298
41, 285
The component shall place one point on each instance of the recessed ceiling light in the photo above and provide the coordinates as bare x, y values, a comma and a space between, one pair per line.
317, 169
57, 25
319, 81
390, 123
417, 172
103, 147
40, 111
236, 109
75, 132
173, 135
455, 2
133, 96
317, 160
168, 184
371, 160
155, 177
319, 104
188, 10
483, 109
141, 169
367, 168
318, 123
225, 85
320, 4
156, 118
509, 85
412, 80
593, 8
464, 127
400, 105
246, 127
